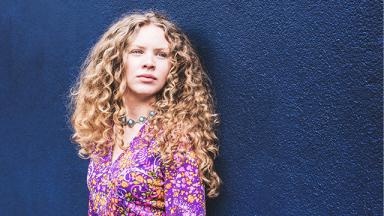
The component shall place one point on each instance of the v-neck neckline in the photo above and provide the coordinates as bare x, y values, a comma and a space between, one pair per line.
138, 135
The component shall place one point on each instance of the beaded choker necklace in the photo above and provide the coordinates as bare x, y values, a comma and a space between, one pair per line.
130, 122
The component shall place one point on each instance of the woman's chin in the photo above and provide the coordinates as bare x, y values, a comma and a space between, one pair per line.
144, 94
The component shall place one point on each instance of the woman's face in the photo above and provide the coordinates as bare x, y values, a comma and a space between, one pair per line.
147, 62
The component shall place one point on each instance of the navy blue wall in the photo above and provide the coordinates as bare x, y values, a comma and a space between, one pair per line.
298, 87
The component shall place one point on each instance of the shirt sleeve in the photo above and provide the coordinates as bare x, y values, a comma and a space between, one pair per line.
90, 206
184, 192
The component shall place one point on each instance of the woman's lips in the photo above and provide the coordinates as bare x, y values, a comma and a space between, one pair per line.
146, 78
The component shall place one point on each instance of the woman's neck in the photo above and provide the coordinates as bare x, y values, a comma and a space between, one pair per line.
136, 107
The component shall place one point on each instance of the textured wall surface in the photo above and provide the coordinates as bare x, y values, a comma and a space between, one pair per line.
298, 86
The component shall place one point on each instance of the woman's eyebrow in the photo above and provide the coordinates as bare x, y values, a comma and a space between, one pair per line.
142, 47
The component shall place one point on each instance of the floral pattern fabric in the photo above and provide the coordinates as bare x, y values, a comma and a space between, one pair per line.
138, 183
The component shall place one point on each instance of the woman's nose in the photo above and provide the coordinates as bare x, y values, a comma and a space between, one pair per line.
149, 61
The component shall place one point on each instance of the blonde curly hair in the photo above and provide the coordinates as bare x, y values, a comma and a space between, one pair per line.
184, 107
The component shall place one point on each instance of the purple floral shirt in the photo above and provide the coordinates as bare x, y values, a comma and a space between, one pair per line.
138, 183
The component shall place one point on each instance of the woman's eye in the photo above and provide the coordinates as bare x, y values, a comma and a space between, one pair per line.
163, 54
137, 51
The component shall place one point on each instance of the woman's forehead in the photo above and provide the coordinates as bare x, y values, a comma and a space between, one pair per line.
144, 46
149, 37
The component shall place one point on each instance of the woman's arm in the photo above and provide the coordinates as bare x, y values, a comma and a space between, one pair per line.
184, 191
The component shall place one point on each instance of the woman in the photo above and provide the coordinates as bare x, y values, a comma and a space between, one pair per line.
143, 113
